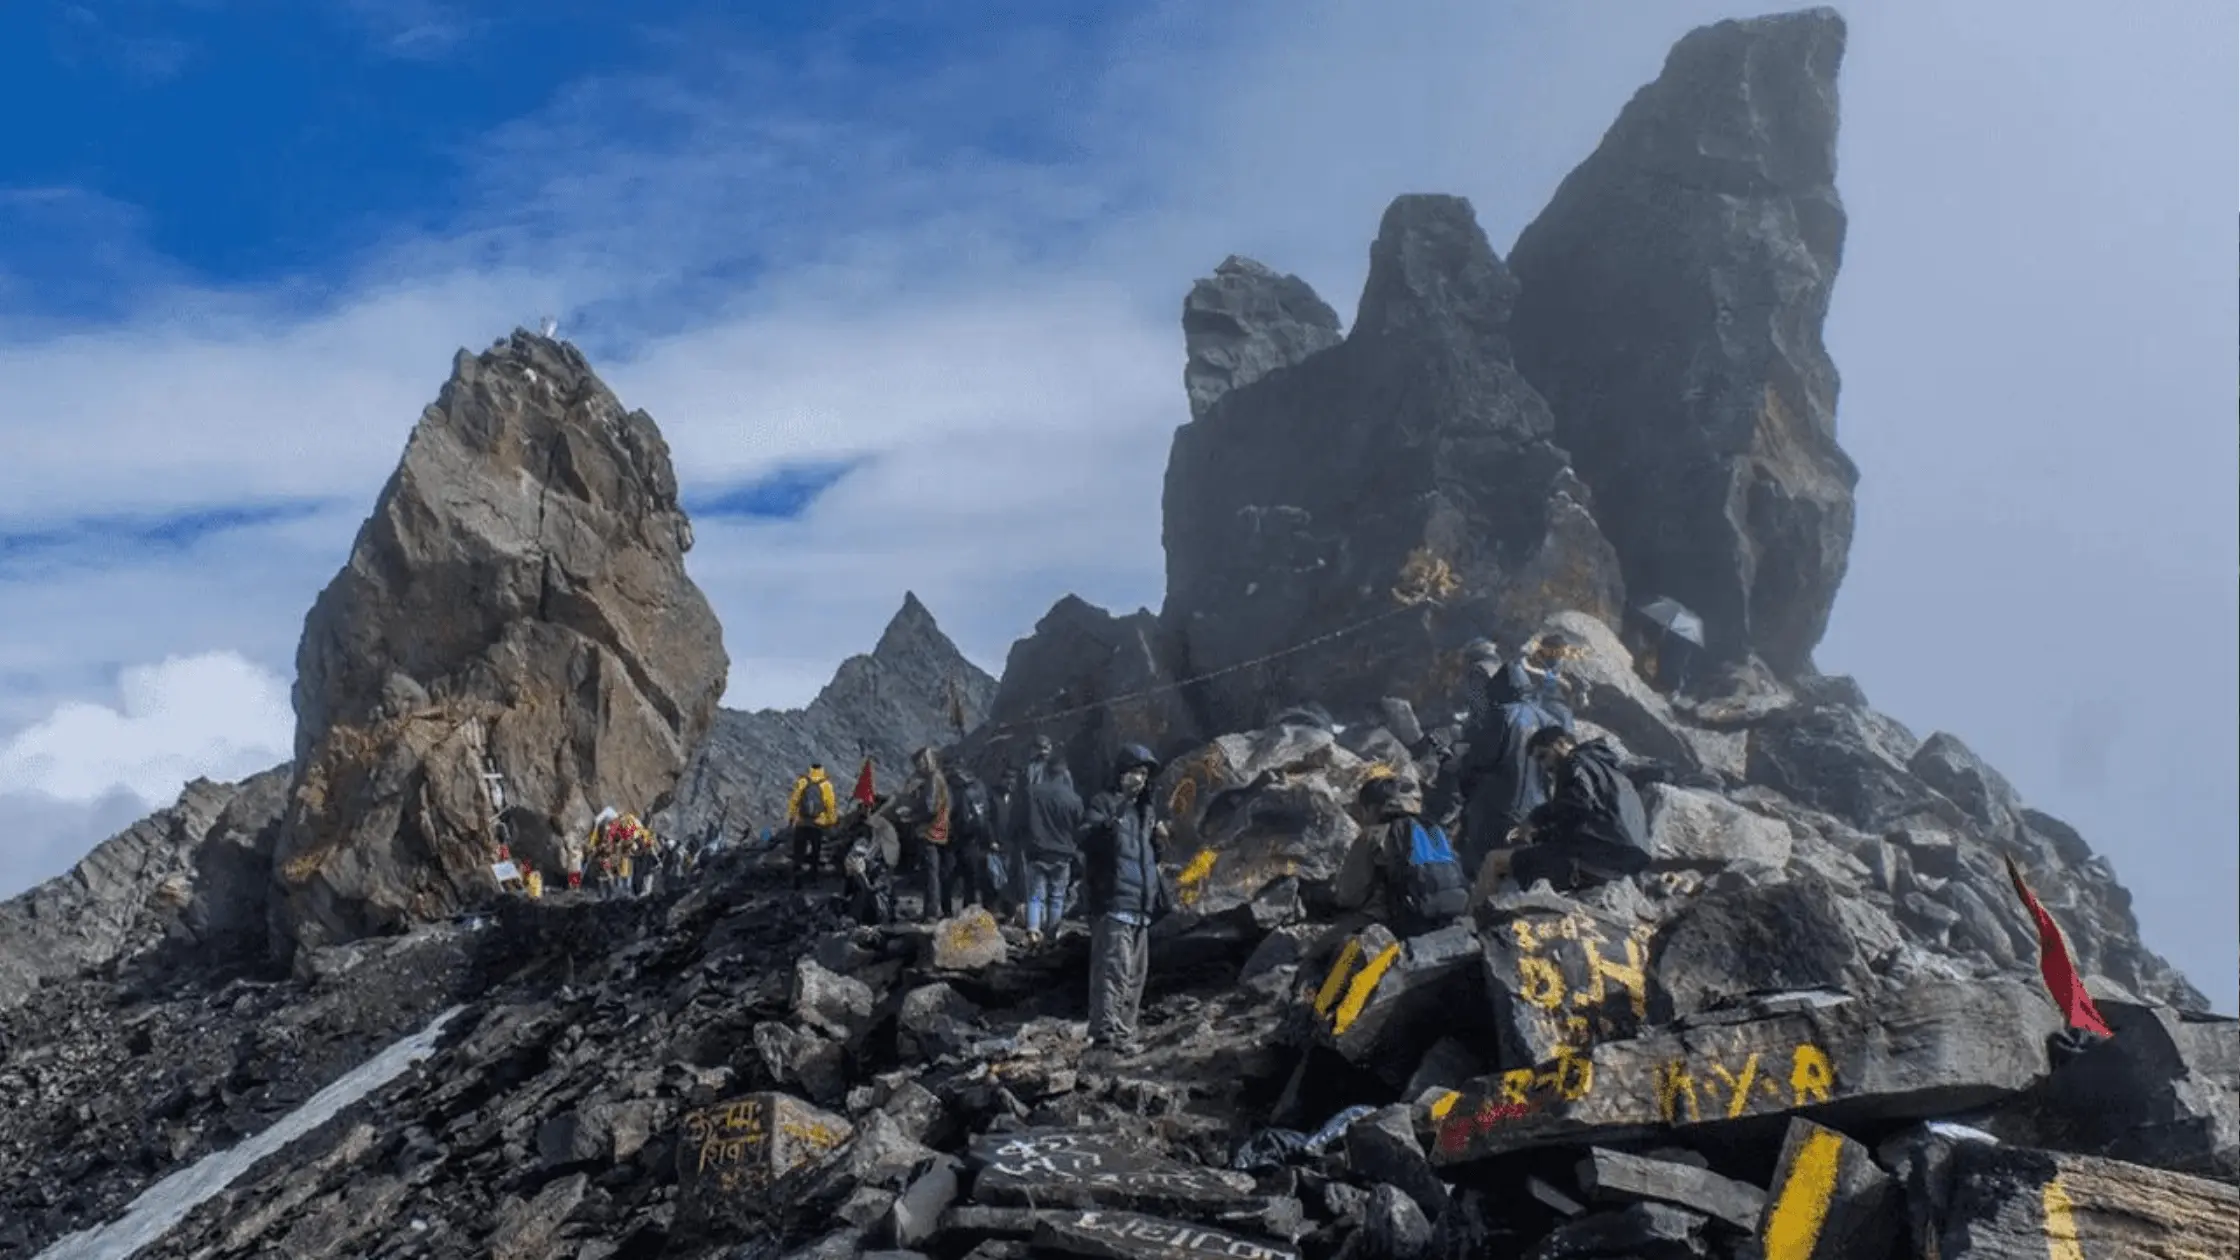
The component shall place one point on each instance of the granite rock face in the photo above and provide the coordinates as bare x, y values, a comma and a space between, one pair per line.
911, 690
1673, 296
1245, 321
517, 604
1410, 459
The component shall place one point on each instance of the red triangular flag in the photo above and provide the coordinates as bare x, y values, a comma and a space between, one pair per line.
864, 793
2056, 963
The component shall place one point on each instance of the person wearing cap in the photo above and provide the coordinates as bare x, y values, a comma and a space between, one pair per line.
1120, 836
1592, 827
1401, 869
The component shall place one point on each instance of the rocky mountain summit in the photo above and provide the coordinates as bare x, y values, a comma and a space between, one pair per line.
517, 604
1815, 1026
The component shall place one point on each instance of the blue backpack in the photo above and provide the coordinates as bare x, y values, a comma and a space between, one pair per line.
1429, 879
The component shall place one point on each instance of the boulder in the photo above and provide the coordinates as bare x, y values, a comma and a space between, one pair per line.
2165, 1091
2007, 1203
1757, 939
1251, 811
1088, 1168
971, 941
1606, 690
1617, 1177
1133, 1236
1408, 461
829, 1002
1695, 826
1843, 761
1673, 296
517, 604
1641, 1231
1950, 767
733, 1157
913, 689
1830, 1200
1384, 1001
1245, 321
1929, 1050
934, 1020
1563, 974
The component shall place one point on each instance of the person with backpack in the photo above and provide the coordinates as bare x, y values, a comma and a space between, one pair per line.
1407, 859
971, 834
1120, 836
1592, 827
810, 812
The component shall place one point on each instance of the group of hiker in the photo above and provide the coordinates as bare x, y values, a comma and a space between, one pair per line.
623, 856
1032, 850
1531, 801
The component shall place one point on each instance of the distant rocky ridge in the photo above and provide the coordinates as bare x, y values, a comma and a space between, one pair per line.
913, 690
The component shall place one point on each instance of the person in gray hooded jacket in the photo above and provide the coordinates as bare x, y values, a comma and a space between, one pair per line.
1120, 857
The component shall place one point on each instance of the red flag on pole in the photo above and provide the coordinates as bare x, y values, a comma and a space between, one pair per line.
864, 793
2056, 963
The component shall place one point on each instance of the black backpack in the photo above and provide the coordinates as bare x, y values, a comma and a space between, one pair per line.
968, 797
1428, 877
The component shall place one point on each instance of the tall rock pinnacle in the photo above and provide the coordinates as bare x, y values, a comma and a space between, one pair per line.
1296, 502
1674, 292
517, 604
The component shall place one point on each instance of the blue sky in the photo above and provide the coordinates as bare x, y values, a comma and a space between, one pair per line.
841, 259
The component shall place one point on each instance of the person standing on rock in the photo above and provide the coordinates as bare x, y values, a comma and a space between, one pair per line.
924, 812
1592, 827
972, 831
1403, 857
1120, 836
810, 812
1048, 817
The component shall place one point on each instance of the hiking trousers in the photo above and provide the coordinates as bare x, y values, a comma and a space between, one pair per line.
1119, 963
941, 880
808, 848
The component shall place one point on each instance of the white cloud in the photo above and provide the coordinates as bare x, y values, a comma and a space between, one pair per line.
2034, 324
214, 714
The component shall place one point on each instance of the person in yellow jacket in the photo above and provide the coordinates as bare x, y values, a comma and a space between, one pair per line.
811, 810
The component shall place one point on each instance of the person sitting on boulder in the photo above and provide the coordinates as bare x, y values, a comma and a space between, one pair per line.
1120, 837
1047, 820
1592, 827
1401, 868
810, 812
868, 866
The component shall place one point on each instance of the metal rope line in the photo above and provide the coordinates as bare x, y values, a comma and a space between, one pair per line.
1179, 684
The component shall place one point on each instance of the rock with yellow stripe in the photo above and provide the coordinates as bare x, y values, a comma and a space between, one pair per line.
1830, 1201
1930, 1050
1252, 811
1384, 1000
1992, 1202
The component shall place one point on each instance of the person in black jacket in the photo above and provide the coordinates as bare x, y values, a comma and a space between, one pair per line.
1045, 821
1498, 779
1592, 827
1120, 835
